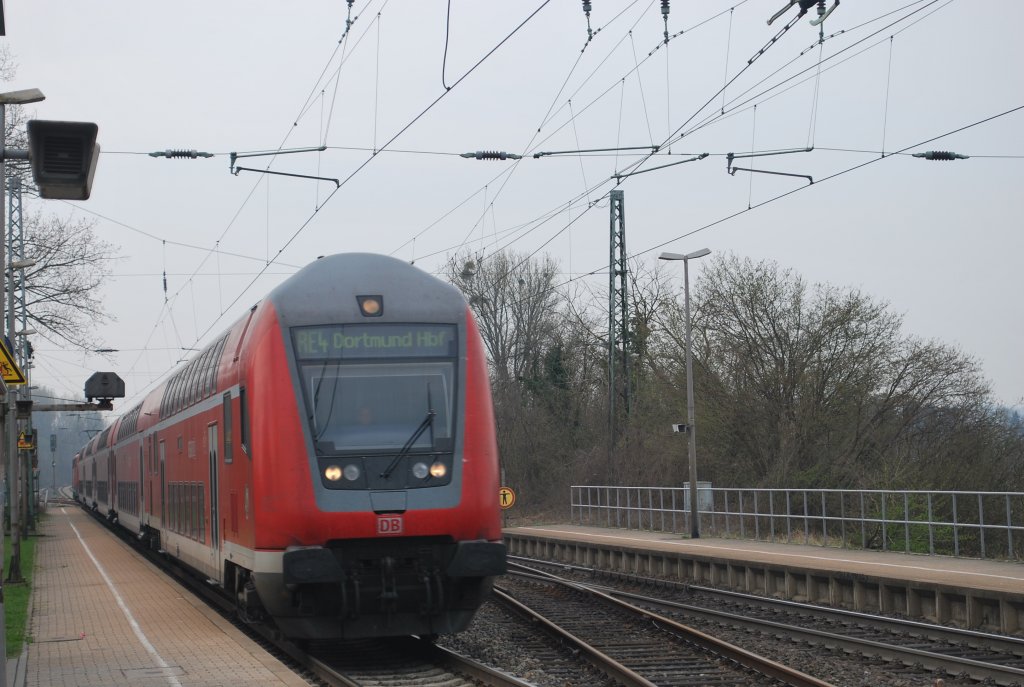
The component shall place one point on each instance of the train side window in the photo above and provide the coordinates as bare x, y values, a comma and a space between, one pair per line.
204, 366
186, 374
172, 402
190, 390
228, 456
211, 372
179, 391
243, 421
216, 362
204, 378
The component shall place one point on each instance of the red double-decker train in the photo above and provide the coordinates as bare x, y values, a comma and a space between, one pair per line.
329, 460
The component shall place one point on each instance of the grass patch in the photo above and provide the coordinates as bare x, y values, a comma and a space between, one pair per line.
16, 595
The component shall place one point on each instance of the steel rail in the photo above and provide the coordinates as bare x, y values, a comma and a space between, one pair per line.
602, 661
457, 669
1009, 644
954, 665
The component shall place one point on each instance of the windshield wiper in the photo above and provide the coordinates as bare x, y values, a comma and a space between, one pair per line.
428, 421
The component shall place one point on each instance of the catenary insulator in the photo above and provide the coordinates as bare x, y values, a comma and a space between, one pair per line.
169, 153
491, 155
941, 155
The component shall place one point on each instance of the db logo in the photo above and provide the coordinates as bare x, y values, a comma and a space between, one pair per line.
389, 524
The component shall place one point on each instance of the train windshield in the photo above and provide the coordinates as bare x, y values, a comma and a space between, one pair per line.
375, 398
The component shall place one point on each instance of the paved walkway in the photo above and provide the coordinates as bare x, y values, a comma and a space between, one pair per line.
102, 615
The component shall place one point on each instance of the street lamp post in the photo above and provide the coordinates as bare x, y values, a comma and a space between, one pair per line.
10, 448
690, 426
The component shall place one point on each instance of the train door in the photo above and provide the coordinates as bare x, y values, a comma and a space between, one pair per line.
113, 498
211, 431
151, 471
142, 482
163, 484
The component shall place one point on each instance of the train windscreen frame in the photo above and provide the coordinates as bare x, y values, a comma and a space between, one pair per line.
368, 387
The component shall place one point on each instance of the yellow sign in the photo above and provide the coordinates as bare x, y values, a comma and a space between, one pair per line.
506, 497
9, 369
25, 442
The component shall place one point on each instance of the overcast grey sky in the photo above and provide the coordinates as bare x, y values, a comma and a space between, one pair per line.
940, 241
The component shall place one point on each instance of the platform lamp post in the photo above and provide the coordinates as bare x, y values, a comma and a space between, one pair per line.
28, 495
10, 447
53, 453
690, 427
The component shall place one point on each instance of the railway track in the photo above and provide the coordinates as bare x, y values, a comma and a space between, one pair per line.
634, 646
399, 663
977, 656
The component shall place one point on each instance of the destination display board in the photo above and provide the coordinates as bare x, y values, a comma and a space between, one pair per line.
351, 341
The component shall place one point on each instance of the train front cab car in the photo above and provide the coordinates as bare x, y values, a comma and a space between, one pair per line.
378, 515
330, 461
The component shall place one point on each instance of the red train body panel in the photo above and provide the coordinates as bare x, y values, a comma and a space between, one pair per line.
330, 460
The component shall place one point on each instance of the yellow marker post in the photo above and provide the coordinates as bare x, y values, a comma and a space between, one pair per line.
25, 443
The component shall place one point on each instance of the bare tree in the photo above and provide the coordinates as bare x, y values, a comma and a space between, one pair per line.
62, 289
797, 385
71, 261
817, 386
514, 299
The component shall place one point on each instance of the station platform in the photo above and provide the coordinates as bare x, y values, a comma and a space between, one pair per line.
980, 594
102, 615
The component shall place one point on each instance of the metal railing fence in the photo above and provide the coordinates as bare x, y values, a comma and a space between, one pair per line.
948, 523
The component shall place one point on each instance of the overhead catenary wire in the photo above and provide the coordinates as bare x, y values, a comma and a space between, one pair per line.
888, 82
742, 106
812, 125
507, 173
359, 168
640, 83
531, 145
717, 115
634, 167
343, 41
447, 32
596, 70
721, 220
491, 203
728, 45
772, 42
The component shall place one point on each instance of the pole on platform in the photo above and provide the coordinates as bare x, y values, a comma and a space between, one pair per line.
691, 430
8, 449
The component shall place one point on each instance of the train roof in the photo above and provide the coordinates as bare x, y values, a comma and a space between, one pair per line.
326, 290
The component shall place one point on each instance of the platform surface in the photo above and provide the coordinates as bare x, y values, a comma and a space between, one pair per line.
102, 615
967, 573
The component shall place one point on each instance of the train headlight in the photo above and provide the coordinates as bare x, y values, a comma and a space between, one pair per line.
371, 306
351, 472
420, 470
332, 473
438, 470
